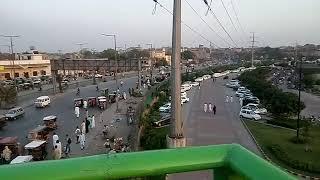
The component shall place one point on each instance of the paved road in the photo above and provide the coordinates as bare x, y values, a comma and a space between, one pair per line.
62, 106
207, 129
311, 101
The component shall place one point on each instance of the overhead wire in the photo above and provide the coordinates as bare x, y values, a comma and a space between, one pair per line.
207, 24
237, 18
185, 24
221, 25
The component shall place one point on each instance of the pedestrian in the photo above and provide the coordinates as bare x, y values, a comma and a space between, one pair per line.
55, 137
6, 154
77, 111
107, 145
144, 85
129, 92
59, 146
227, 98
205, 106
87, 113
82, 140
56, 153
241, 101
214, 109
231, 98
68, 146
85, 104
87, 123
77, 132
210, 107
199, 86
93, 122
83, 127
124, 95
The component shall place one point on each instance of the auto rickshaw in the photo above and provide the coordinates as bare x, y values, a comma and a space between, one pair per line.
39, 133
92, 101
12, 143
37, 149
102, 102
112, 97
78, 102
50, 122
2, 121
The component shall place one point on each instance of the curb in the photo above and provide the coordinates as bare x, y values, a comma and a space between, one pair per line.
268, 159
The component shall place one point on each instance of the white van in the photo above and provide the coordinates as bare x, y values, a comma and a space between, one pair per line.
42, 101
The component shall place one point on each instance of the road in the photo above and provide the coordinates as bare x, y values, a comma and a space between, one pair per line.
202, 128
62, 106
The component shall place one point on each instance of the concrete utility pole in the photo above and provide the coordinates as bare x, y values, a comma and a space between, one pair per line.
12, 55
139, 74
252, 50
176, 138
116, 65
299, 95
151, 61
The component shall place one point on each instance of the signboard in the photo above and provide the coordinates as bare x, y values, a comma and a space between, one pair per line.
1, 68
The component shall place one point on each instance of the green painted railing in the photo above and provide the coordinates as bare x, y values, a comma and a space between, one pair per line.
230, 161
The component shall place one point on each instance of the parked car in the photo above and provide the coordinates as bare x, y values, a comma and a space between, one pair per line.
199, 79
98, 76
193, 84
247, 113
184, 99
183, 94
186, 86
256, 108
14, 113
206, 77
165, 108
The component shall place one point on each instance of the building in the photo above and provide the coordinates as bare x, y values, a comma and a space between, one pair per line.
159, 54
25, 65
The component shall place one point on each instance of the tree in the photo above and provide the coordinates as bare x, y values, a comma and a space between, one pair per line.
160, 62
187, 55
109, 53
8, 95
136, 53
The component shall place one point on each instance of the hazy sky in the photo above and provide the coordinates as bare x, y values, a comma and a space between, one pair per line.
51, 25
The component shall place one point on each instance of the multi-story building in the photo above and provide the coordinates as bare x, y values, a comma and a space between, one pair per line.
26, 65
159, 54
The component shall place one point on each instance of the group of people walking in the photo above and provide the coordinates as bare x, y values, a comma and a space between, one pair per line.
209, 108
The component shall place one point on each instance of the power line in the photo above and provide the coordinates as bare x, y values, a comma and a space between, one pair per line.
185, 24
217, 19
228, 15
237, 18
207, 24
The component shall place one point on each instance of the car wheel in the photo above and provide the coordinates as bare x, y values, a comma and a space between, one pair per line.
241, 116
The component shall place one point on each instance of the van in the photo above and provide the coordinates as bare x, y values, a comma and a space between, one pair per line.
14, 113
42, 101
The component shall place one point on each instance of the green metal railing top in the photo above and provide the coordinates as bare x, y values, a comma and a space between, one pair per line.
230, 161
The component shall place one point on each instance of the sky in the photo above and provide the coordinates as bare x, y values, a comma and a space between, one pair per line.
52, 25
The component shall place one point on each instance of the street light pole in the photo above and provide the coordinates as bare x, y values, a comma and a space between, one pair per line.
151, 61
116, 65
13, 57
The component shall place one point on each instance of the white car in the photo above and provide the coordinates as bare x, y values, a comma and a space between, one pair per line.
193, 84
240, 93
184, 99
199, 79
184, 94
98, 76
165, 108
183, 89
247, 113
256, 108
186, 86
206, 77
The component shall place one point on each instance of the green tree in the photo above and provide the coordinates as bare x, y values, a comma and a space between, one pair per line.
187, 55
109, 53
137, 53
8, 95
